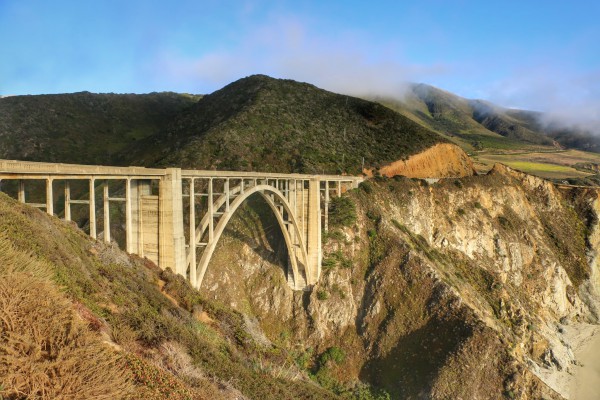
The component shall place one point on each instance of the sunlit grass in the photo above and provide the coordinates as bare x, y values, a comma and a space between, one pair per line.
553, 165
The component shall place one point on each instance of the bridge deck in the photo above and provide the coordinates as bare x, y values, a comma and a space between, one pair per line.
42, 170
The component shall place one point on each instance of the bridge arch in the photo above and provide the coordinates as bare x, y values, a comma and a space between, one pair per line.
298, 256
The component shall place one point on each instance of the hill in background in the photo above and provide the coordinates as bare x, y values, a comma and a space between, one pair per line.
261, 123
264, 124
83, 127
255, 123
480, 125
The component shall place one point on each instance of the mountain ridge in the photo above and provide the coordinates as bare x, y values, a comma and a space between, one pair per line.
478, 124
295, 127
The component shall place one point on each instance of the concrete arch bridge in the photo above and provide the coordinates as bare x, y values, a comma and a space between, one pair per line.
175, 217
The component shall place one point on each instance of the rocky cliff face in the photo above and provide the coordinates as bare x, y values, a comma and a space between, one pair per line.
439, 161
469, 288
462, 289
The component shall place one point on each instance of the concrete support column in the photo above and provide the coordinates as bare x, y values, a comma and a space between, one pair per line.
106, 213
49, 197
292, 201
137, 188
303, 202
93, 208
210, 211
314, 230
326, 208
226, 190
170, 232
67, 200
128, 219
21, 195
193, 233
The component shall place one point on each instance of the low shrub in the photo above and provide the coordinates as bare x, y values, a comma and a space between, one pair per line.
342, 212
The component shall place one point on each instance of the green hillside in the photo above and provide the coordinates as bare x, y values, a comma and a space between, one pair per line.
473, 124
255, 123
83, 127
261, 123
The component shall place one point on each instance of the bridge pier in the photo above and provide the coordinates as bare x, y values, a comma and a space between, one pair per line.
92, 205
67, 201
49, 197
314, 230
170, 230
106, 212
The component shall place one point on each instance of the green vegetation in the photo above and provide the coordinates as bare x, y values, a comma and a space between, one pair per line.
335, 259
322, 294
334, 354
257, 123
342, 212
545, 170
261, 123
563, 164
84, 127
332, 234
472, 124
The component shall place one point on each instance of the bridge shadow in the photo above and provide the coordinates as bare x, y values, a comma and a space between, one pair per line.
255, 225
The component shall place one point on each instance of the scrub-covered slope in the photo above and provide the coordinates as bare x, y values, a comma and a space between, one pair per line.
80, 319
266, 124
467, 288
85, 128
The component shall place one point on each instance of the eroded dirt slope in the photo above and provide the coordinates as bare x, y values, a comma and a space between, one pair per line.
439, 161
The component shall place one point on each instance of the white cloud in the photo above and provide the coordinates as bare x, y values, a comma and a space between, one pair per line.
287, 48
566, 97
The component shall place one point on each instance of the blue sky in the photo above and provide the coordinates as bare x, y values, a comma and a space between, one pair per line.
541, 55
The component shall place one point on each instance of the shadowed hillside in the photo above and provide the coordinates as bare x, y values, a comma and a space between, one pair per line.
261, 123
255, 123
83, 127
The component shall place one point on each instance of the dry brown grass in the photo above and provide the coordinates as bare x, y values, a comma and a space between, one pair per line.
46, 352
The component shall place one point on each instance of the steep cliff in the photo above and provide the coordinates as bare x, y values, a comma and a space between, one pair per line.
468, 288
